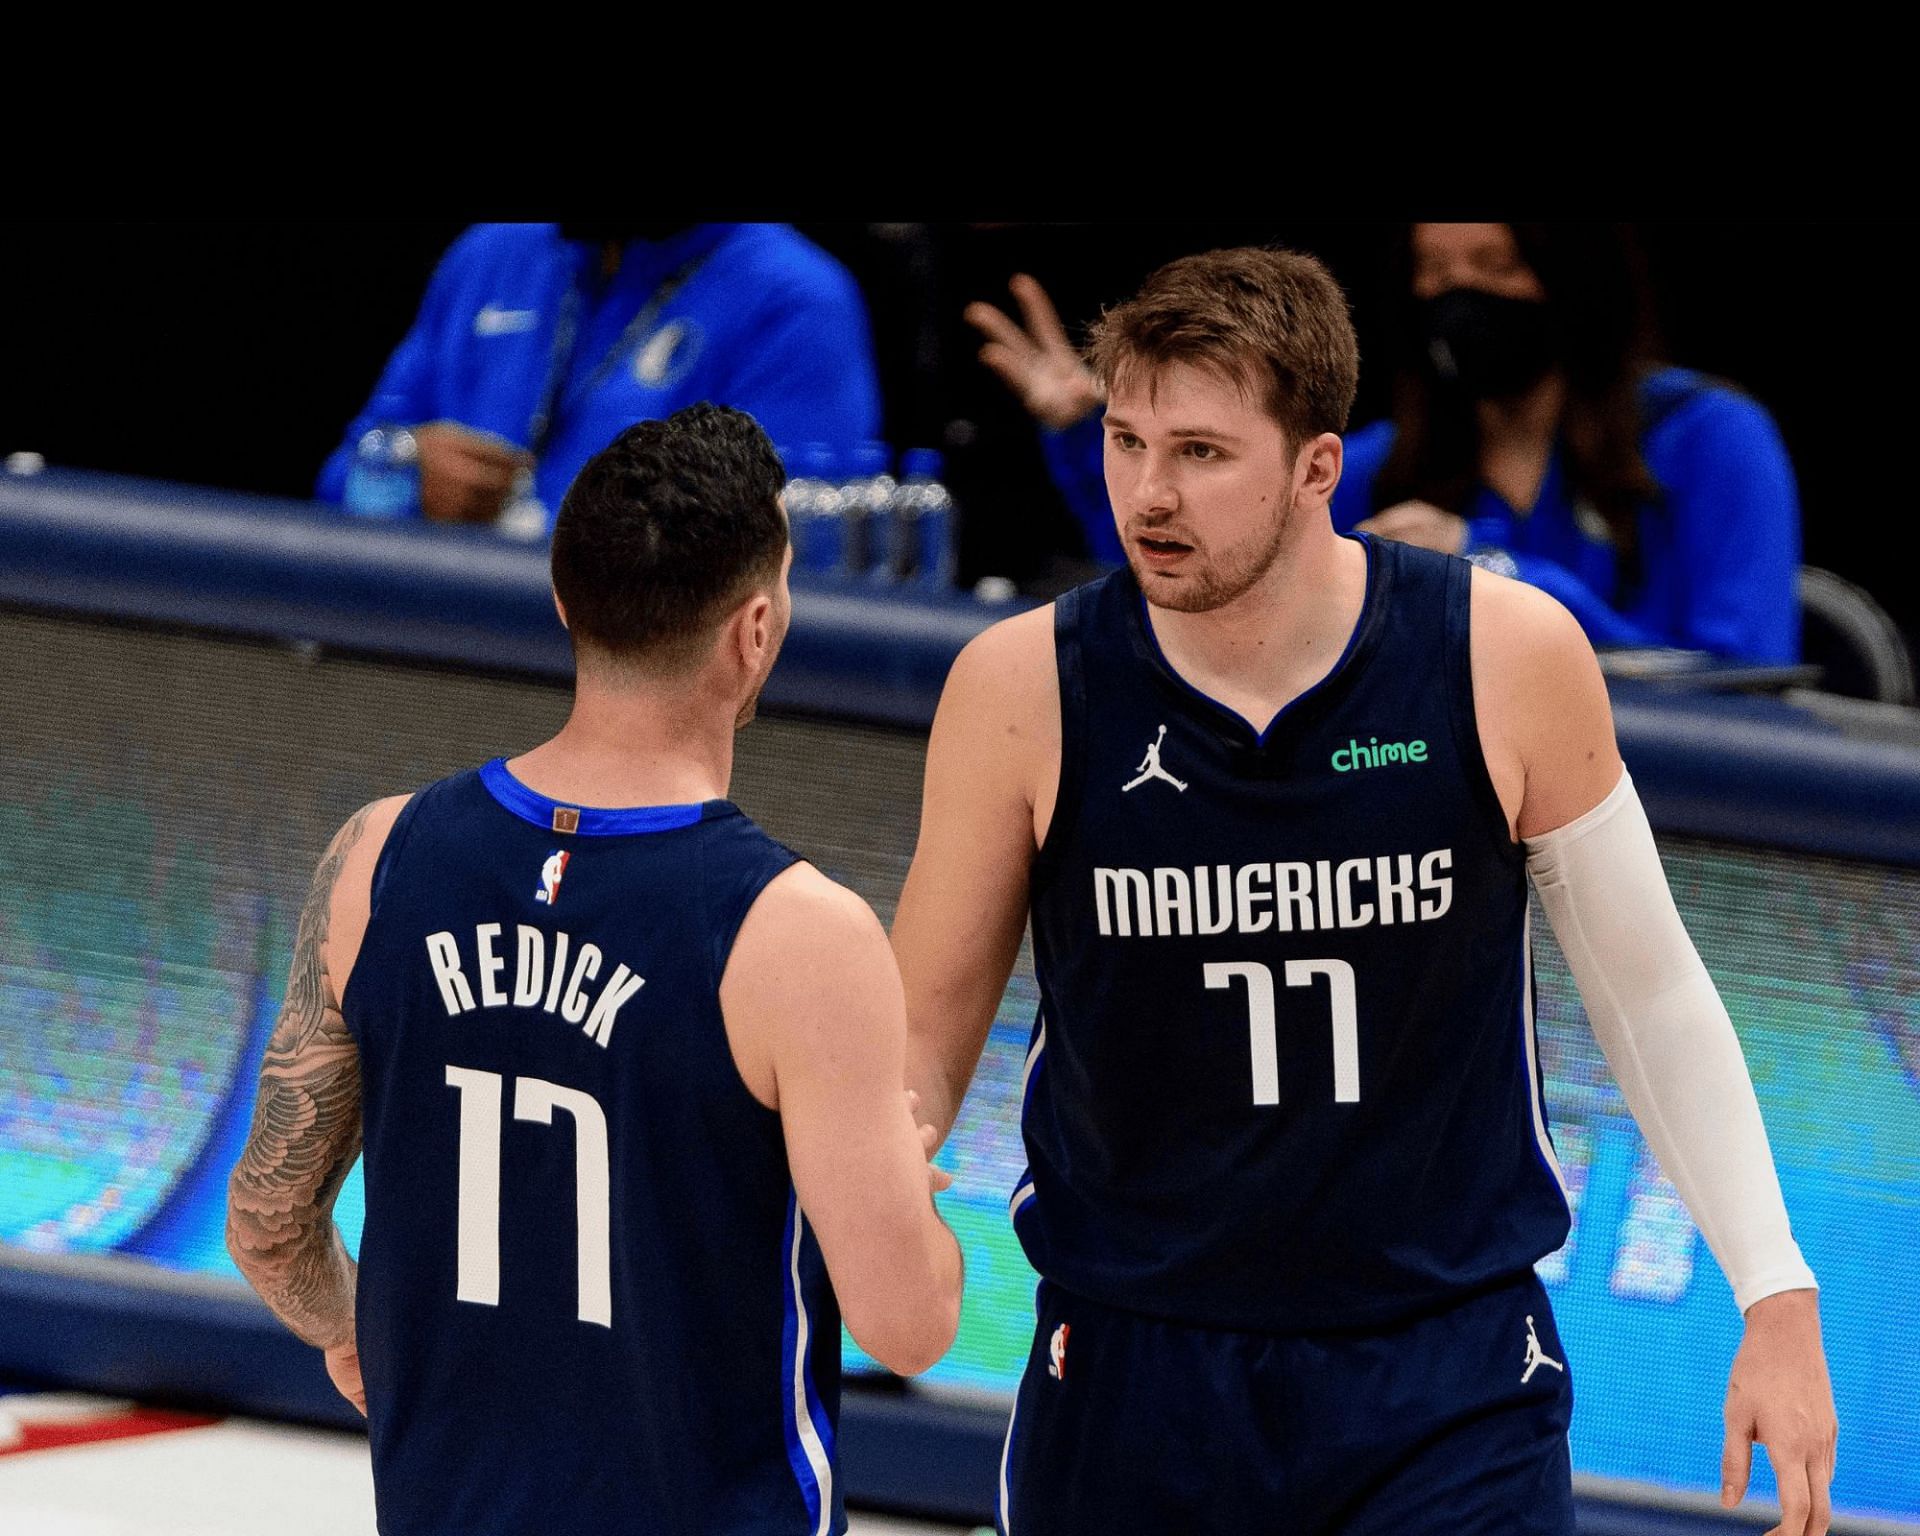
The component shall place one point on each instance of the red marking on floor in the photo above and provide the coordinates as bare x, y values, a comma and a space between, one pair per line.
119, 1426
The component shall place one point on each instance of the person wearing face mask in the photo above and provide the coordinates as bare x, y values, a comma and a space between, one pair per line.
1532, 433
537, 344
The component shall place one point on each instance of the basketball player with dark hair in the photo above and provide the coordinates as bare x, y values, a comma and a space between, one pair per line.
1289, 1164
629, 1077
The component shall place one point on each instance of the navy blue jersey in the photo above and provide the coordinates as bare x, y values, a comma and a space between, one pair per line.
1283, 1075
586, 1299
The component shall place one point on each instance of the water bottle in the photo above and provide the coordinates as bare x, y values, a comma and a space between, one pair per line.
890, 559
524, 517
926, 509
814, 513
384, 478
867, 504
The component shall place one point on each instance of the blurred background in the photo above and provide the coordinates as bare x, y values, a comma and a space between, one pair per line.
234, 354
206, 673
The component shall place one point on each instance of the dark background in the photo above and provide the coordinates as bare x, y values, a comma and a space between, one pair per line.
233, 354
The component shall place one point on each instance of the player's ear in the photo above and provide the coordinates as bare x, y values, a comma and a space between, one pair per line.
749, 629
1318, 466
561, 609
759, 618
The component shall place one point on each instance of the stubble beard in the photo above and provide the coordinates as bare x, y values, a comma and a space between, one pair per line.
750, 706
1221, 581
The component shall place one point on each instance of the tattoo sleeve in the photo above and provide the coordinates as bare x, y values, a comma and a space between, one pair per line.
305, 1136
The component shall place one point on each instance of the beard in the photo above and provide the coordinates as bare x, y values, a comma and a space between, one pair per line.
1211, 582
750, 706
748, 709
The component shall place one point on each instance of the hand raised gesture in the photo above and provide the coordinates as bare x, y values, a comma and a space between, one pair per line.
1034, 358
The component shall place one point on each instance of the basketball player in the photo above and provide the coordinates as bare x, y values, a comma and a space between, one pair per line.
1290, 1171
631, 1077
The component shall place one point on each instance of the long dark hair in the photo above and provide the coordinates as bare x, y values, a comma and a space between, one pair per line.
1596, 288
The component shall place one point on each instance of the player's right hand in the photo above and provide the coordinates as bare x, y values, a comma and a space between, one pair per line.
465, 475
343, 1365
929, 1144
1037, 362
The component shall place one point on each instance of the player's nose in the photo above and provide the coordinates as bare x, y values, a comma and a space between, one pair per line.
1157, 489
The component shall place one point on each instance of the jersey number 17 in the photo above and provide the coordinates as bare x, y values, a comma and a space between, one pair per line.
478, 1241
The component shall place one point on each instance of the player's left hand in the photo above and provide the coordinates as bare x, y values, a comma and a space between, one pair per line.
1419, 522
343, 1365
1779, 1396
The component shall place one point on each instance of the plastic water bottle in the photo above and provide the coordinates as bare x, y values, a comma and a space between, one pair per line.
926, 509
867, 503
384, 479
814, 514
524, 516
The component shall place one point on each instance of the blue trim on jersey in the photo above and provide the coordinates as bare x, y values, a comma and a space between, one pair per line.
1036, 1059
1004, 1501
389, 851
816, 1409
1539, 1131
1292, 706
797, 1458
594, 821
789, 1334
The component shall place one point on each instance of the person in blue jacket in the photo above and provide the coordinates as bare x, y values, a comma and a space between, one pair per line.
1531, 432
538, 344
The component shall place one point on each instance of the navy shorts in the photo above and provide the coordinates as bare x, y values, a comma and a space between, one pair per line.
1455, 1423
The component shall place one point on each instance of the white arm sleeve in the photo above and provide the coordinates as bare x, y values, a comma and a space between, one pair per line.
1666, 1034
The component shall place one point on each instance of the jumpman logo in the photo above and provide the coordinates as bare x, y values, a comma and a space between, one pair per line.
1536, 1356
1150, 767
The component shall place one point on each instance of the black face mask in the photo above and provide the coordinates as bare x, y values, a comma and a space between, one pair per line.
1485, 345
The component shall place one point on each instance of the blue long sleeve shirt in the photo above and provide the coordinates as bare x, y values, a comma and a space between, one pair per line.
1720, 551
760, 318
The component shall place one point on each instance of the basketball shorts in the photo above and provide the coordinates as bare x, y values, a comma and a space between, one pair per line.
1454, 1423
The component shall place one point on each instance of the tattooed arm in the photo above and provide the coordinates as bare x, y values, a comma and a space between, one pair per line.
306, 1120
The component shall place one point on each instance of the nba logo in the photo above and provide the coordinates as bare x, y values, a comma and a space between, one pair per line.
1057, 1354
550, 873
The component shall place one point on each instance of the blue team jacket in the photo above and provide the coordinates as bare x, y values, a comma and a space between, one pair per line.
1721, 550
763, 320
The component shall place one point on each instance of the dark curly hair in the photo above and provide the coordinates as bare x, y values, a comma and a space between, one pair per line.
665, 530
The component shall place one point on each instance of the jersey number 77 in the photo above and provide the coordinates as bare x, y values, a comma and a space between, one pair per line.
1260, 1020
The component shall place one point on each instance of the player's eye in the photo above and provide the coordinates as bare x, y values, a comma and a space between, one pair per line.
1126, 440
1202, 451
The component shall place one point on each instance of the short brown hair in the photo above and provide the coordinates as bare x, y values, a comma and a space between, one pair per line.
1273, 321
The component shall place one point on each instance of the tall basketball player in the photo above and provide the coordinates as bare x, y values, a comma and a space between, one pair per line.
1271, 797
629, 1075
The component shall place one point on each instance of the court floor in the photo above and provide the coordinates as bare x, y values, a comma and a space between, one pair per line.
123, 1473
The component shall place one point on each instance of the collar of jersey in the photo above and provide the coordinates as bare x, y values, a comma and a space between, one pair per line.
595, 821
1303, 706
